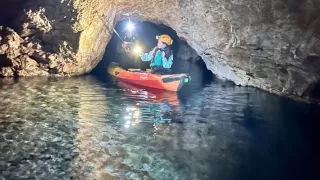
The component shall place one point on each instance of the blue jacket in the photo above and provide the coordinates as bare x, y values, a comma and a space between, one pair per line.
157, 60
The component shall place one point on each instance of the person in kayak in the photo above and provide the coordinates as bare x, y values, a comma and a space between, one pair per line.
161, 56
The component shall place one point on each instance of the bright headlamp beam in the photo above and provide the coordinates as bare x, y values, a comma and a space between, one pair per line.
130, 26
137, 50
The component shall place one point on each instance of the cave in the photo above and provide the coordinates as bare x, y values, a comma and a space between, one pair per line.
63, 117
261, 46
185, 58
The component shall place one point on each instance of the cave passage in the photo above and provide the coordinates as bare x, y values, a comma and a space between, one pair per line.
185, 59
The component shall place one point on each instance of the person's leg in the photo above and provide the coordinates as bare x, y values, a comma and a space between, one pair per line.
160, 70
168, 71
155, 70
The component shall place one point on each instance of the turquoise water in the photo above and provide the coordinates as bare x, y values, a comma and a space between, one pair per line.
91, 128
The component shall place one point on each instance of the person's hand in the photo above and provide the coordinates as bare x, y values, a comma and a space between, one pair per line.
125, 46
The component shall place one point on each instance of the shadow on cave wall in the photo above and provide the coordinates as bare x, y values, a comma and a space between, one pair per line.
313, 92
9, 10
305, 12
186, 60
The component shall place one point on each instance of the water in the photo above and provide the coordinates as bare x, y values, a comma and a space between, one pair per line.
90, 128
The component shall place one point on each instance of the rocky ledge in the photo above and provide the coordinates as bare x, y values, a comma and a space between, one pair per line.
272, 45
22, 57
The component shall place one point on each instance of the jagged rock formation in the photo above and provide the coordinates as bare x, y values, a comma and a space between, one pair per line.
273, 45
26, 58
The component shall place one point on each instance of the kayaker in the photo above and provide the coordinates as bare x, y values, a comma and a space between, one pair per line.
161, 56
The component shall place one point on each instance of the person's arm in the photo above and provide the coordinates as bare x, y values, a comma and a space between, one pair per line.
167, 63
147, 56
126, 47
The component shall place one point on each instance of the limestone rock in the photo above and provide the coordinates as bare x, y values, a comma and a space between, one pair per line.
16, 56
3, 48
272, 45
35, 21
7, 72
25, 66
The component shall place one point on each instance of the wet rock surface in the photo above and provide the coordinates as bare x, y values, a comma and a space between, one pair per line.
81, 128
24, 57
273, 45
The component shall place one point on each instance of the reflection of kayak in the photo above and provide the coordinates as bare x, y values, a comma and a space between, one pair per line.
172, 82
152, 105
153, 95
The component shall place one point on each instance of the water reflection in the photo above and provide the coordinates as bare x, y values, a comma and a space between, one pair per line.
149, 94
151, 105
84, 128
37, 128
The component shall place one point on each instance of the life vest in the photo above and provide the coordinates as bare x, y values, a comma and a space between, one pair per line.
157, 57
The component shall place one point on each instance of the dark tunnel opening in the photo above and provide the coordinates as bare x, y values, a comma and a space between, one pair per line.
9, 10
313, 93
185, 59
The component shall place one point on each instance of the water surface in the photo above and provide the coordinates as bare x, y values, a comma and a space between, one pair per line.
90, 128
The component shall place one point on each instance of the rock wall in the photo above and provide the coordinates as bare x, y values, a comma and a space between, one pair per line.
270, 44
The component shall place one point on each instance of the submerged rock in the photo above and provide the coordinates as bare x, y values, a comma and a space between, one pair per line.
271, 45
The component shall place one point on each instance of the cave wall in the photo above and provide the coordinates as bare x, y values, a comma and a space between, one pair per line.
270, 44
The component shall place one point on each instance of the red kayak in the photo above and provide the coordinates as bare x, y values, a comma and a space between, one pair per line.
171, 82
